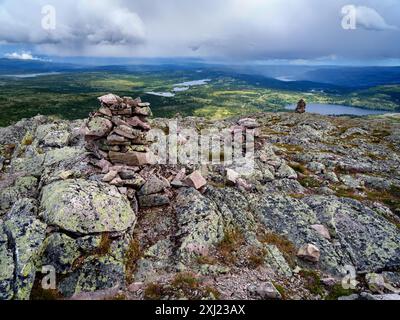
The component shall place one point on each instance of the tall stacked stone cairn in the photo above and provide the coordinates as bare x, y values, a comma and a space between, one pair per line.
116, 136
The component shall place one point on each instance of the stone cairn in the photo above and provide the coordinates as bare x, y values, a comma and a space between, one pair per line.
116, 135
301, 106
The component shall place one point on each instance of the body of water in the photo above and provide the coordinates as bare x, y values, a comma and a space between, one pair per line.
31, 75
193, 83
331, 109
285, 78
162, 94
180, 87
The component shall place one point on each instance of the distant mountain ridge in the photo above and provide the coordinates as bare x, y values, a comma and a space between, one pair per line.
355, 76
14, 66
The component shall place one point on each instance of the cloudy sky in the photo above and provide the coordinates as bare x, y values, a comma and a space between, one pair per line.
232, 30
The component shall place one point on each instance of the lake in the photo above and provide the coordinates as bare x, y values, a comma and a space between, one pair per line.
30, 75
162, 94
180, 87
193, 83
331, 109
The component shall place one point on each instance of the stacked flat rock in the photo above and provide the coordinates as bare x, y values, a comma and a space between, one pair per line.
117, 131
117, 137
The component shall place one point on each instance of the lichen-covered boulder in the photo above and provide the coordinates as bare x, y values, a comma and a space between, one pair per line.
24, 187
293, 219
86, 207
371, 241
96, 273
59, 251
200, 224
26, 234
156, 259
6, 266
99, 127
28, 165
53, 135
360, 236
57, 156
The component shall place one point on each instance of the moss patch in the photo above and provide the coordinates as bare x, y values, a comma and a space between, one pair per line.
281, 290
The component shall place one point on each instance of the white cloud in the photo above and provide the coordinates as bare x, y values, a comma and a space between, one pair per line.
79, 24
370, 19
20, 56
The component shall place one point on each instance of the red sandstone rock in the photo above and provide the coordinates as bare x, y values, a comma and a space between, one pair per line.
132, 158
110, 99
136, 122
195, 180
309, 252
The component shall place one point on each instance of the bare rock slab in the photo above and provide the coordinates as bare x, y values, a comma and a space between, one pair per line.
264, 291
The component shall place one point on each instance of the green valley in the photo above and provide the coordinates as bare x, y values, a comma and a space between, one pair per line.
72, 95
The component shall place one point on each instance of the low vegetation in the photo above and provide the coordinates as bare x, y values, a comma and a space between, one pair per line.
313, 282
310, 182
338, 291
286, 247
185, 285
227, 248
132, 256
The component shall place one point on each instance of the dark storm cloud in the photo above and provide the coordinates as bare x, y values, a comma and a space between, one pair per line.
229, 29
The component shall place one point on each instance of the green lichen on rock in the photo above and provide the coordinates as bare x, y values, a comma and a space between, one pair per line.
86, 207
26, 234
56, 156
96, 273
59, 251
275, 259
55, 135
6, 266
201, 225
28, 165
24, 187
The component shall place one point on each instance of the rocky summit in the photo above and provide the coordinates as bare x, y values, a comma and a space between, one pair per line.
317, 217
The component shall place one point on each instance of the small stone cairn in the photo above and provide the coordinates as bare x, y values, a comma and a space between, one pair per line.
301, 106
